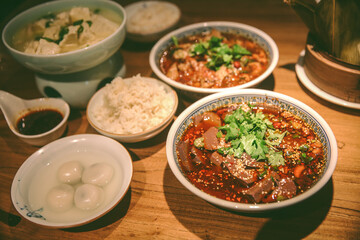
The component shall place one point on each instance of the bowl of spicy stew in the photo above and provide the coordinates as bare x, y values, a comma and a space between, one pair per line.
251, 150
209, 57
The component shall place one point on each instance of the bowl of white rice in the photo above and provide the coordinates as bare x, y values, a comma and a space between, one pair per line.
148, 21
132, 109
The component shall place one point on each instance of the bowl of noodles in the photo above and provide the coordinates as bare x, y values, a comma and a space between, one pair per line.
61, 37
209, 57
251, 150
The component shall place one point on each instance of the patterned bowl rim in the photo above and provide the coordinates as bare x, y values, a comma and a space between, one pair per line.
220, 99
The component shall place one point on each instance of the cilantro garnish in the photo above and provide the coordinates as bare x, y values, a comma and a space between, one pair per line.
218, 52
274, 137
175, 40
253, 133
276, 158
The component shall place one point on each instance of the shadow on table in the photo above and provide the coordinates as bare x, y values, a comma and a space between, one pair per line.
133, 46
208, 221
268, 83
298, 221
114, 215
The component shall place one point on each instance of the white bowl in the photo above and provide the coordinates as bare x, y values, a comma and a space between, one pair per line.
218, 100
14, 108
77, 88
97, 100
260, 37
68, 62
52, 155
152, 30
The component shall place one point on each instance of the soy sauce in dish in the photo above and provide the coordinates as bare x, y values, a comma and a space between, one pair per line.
38, 121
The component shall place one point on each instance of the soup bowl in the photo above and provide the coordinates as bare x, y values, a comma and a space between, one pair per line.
252, 33
253, 96
67, 62
154, 25
39, 174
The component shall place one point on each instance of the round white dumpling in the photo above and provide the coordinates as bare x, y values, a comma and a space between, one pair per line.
70, 172
88, 196
60, 198
99, 174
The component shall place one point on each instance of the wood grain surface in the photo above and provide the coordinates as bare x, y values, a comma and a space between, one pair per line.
157, 206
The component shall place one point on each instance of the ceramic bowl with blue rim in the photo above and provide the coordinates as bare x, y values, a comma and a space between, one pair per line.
255, 34
253, 96
72, 181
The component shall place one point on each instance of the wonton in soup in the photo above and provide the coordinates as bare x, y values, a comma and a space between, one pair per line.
66, 31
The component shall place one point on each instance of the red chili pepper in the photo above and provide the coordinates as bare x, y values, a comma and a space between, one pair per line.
298, 170
237, 64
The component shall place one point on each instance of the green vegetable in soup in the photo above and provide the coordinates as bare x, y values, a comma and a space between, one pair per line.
253, 133
219, 53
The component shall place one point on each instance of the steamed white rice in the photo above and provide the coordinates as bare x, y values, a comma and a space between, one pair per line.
152, 17
134, 106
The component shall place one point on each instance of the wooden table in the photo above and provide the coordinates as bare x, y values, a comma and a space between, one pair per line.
157, 206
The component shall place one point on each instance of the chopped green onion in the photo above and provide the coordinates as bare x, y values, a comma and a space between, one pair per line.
263, 173
47, 24
80, 30
78, 22
199, 142
175, 40
304, 148
280, 198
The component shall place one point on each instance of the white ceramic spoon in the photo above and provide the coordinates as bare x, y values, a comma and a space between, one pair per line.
14, 107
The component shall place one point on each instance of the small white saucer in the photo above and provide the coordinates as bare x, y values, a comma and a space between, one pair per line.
299, 68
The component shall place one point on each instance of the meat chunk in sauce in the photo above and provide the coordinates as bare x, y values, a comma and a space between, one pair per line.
217, 159
245, 176
198, 155
250, 162
285, 189
258, 191
236, 167
211, 141
183, 149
